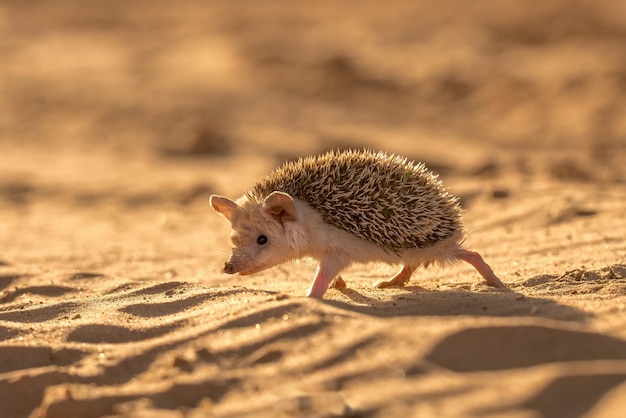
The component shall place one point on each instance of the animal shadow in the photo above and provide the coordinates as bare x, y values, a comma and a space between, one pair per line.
420, 302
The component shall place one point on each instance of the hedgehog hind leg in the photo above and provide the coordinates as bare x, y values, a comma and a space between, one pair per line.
400, 279
473, 258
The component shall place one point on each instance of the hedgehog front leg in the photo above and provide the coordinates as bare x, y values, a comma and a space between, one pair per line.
399, 279
327, 272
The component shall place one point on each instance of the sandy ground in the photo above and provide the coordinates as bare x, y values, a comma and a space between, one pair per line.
119, 119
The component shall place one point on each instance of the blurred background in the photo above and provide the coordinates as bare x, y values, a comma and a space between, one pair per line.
119, 118
483, 87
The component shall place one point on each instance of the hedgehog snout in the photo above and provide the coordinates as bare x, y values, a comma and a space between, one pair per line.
229, 268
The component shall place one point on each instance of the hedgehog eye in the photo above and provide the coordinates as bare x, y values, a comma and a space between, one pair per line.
261, 240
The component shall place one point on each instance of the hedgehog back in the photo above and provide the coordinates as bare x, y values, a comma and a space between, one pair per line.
385, 199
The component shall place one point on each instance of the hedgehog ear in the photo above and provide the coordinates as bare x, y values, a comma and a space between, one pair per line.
280, 206
224, 206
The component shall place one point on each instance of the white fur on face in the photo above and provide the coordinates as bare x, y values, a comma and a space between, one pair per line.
249, 256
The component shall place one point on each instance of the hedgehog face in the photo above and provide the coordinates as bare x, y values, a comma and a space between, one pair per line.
258, 232
257, 243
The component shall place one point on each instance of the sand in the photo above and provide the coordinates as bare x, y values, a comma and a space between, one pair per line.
118, 120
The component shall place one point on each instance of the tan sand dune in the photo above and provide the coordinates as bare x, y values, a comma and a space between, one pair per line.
118, 121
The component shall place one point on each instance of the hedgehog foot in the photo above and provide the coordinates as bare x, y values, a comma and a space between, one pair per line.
399, 279
338, 283
483, 268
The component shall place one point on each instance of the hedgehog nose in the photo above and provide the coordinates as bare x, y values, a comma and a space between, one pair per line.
229, 268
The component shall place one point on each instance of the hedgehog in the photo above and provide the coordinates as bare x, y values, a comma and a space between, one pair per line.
345, 207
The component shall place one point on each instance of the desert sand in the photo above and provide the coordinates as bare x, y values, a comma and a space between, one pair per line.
119, 119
